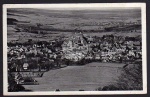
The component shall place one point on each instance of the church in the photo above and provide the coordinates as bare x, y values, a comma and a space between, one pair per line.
75, 47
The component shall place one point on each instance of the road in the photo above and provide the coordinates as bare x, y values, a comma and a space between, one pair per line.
75, 78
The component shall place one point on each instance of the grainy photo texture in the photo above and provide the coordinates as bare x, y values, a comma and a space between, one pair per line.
78, 47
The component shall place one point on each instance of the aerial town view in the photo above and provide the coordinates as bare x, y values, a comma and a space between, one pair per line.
74, 50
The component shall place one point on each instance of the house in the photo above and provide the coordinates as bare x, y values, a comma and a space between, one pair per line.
97, 56
25, 66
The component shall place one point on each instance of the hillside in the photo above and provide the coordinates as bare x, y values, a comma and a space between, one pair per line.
49, 23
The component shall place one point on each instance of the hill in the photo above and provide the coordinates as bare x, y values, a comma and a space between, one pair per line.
45, 24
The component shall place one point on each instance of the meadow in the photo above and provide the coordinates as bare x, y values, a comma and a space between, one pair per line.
75, 78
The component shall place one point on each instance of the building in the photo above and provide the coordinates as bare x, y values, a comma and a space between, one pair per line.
75, 47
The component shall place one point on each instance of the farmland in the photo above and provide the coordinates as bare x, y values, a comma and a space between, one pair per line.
55, 23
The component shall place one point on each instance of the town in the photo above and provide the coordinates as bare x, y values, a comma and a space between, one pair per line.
48, 55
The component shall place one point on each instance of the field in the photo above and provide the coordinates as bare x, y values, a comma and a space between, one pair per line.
55, 23
74, 78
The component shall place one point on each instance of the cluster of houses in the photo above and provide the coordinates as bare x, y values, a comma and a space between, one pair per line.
108, 48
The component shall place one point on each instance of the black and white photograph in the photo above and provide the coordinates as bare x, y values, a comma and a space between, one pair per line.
67, 49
